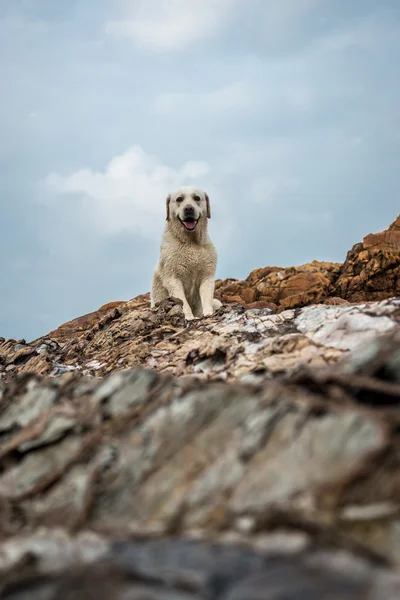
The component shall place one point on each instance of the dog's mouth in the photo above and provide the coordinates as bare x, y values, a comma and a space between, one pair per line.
189, 223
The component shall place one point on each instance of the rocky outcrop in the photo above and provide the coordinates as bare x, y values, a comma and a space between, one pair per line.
370, 272
128, 334
177, 488
252, 454
233, 345
291, 287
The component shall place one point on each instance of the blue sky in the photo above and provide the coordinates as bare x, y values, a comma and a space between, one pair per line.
285, 112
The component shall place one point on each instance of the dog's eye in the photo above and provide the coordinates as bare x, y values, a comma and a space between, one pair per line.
179, 200
197, 198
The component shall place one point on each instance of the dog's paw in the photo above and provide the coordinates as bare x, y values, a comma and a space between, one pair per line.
189, 317
216, 304
208, 312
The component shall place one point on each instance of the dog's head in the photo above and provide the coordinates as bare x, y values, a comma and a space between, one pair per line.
188, 205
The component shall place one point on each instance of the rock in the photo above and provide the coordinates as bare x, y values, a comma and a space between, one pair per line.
371, 270
178, 569
231, 344
251, 454
280, 489
335, 301
143, 451
297, 286
232, 299
86, 322
263, 304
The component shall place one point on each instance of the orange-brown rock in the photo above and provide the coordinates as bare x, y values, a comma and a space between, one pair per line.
262, 304
233, 299
80, 324
281, 287
303, 289
259, 274
111, 305
235, 290
248, 295
293, 287
335, 301
395, 225
86, 322
371, 270
389, 238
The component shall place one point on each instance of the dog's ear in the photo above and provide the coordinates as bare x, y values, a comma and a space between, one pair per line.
167, 205
208, 206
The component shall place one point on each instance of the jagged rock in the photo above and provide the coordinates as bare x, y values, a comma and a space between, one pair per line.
289, 487
252, 454
86, 322
232, 344
298, 286
140, 450
371, 270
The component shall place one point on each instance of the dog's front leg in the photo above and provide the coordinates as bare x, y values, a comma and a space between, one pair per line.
207, 296
175, 289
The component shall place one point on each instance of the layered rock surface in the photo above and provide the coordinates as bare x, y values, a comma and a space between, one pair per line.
252, 454
370, 272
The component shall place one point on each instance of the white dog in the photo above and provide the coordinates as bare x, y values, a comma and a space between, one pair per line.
188, 260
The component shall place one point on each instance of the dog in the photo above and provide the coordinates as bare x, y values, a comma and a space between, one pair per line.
188, 259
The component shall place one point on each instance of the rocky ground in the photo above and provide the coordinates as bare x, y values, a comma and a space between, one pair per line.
252, 454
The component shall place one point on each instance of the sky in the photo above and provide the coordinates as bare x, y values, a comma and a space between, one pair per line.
286, 113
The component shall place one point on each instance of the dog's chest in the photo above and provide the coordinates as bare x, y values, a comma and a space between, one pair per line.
189, 263
196, 263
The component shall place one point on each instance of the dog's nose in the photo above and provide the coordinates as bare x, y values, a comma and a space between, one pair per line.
189, 210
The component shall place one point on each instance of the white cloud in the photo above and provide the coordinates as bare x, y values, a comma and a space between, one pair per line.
163, 25
129, 195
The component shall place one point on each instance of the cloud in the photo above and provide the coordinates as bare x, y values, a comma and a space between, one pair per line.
164, 25
172, 25
128, 195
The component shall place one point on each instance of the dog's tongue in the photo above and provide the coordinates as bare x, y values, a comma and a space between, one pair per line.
190, 224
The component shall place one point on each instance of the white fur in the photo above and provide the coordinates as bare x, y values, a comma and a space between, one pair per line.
188, 259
